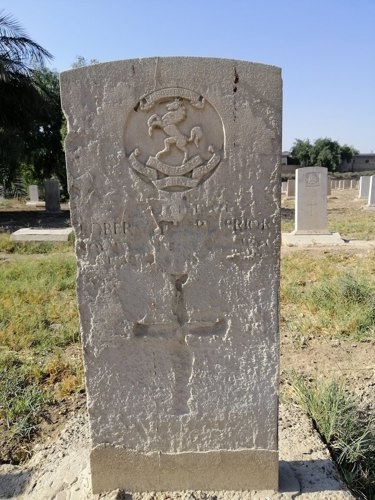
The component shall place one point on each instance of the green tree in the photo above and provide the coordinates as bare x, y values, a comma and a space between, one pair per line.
347, 152
326, 153
301, 151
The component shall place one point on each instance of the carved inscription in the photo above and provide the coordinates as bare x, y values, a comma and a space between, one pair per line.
174, 139
312, 179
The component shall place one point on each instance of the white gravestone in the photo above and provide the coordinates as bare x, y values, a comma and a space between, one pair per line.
311, 201
173, 170
283, 187
364, 186
371, 193
33, 193
346, 184
290, 188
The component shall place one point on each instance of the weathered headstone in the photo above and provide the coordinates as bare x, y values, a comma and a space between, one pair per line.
33, 193
346, 184
173, 170
364, 186
284, 187
371, 193
290, 188
52, 195
329, 190
311, 201
353, 184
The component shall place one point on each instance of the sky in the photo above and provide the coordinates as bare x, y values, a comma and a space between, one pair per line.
326, 48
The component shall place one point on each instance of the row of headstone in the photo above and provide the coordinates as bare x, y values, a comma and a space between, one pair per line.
344, 184
364, 186
289, 187
181, 353
371, 192
51, 193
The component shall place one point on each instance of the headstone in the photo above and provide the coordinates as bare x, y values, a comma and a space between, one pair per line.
290, 188
329, 191
353, 184
311, 201
346, 184
364, 186
176, 222
371, 194
284, 187
33, 193
341, 184
52, 195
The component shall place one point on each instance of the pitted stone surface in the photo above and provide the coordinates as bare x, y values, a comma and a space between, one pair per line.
173, 169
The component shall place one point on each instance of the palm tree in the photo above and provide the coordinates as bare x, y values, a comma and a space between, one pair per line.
18, 53
19, 56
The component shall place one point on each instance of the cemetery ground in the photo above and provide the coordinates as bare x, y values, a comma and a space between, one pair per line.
327, 328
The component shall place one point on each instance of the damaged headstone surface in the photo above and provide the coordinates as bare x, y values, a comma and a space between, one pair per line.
173, 171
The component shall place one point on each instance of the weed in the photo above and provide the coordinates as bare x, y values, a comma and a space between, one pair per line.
349, 434
332, 295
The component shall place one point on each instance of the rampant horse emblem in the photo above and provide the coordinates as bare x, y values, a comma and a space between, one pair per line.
183, 157
176, 114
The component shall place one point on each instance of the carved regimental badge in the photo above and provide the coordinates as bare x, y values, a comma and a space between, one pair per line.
174, 139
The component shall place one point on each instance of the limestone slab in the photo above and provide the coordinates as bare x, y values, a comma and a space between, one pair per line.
33, 193
27, 234
173, 173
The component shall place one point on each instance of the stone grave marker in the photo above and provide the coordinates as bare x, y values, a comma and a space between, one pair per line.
311, 222
353, 184
173, 171
52, 195
346, 184
33, 193
371, 193
290, 188
311, 201
364, 186
284, 187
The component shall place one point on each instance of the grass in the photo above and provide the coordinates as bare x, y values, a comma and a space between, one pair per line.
30, 247
349, 433
38, 327
331, 295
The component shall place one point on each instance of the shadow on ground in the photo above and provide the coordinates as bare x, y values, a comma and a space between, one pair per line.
13, 220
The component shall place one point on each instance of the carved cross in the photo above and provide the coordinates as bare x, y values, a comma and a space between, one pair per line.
176, 333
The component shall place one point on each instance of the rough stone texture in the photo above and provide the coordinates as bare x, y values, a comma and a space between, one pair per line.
27, 234
311, 201
52, 195
371, 193
290, 188
173, 171
364, 186
61, 470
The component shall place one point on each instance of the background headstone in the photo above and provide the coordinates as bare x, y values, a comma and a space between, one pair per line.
364, 186
346, 184
311, 201
290, 188
177, 238
52, 195
33, 193
284, 187
371, 194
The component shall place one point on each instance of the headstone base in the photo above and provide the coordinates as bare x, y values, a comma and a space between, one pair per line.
36, 203
311, 239
213, 470
27, 234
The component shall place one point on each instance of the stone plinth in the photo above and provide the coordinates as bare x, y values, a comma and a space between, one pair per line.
173, 171
28, 234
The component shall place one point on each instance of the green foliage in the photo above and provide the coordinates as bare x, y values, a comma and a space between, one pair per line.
324, 152
81, 61
31, 116
349, 433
